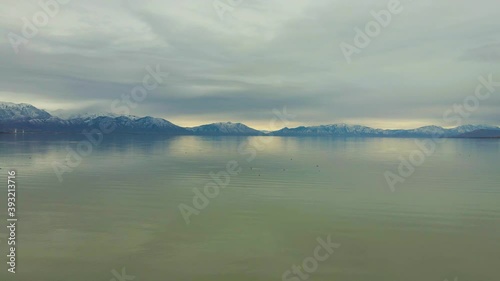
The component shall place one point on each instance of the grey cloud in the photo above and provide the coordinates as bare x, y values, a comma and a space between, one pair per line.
267, 54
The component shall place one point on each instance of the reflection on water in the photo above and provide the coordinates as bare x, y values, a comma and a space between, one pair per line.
119, 208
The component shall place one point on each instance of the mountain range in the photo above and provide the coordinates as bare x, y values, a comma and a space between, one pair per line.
29, 119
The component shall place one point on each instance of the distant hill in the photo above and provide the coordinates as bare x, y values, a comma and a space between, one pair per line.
481, 134
344, 130
330, 130
27, 118
225, 129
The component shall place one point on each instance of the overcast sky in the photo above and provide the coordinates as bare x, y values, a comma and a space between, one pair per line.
263, 54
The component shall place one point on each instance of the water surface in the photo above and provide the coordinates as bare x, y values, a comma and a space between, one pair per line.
120, 209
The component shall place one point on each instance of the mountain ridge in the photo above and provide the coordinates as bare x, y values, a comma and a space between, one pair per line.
225, 128
28, 118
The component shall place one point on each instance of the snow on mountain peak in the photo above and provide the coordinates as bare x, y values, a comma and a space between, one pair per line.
25, 116
87, 115
22, 111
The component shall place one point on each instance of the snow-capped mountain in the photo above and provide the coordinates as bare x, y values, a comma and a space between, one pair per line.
30, 119
469, 128
131, 124
344, 130
226, 128
483, 133
68, 115
329, 130
22, 111
25, 117
426, 131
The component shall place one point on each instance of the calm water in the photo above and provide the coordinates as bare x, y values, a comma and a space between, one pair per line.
119, 209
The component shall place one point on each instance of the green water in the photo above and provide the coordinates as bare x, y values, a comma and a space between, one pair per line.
120, 209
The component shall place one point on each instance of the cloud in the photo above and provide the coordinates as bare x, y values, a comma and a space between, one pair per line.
487, 53
265, 54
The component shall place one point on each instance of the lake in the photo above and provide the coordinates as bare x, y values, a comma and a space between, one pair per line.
119, 211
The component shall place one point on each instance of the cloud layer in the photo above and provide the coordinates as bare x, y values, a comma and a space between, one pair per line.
261, 55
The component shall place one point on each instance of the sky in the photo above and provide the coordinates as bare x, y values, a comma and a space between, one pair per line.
237, 60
